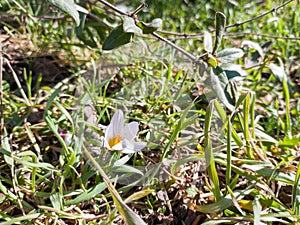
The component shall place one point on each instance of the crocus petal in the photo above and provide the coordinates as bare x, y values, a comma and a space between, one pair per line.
117, 121
117, 147
130, 130
116, 126
132, 147
139, 146
127, 146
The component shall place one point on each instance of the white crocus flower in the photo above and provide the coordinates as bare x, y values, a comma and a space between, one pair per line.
121, 137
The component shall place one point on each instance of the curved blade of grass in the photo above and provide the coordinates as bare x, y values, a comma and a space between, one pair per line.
50, 121
229, 153
296, 193
209, 155
288, 130
177, 130
256, 210
223, 203
252, 113
223, 116
17, 220
90, 193
246, 112
128, 215
138, 195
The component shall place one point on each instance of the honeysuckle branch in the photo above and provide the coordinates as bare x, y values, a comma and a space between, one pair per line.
133, 15
259, 16
187, 54
180, 36
200, 35
138, 9
114, 8
183, 51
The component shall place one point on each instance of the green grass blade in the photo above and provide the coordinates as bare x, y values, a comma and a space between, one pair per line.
246, 112
252, 114
128, 215
296, 193
229, 153
209, 155
223, 203
256, 210
288, 129
223, 116
17, 220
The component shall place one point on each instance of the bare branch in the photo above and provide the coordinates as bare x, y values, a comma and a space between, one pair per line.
200, 35
259, 16
187, 54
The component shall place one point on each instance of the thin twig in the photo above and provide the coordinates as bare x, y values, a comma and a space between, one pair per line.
200, 35
113, 8
259, 16
261, 35
141, 7
133, 15
187, 54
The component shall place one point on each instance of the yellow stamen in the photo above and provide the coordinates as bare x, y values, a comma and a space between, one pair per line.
114, 141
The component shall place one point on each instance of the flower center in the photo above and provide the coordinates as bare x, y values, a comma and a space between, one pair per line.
114, 141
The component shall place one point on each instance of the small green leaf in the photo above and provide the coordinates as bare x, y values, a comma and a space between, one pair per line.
223, 203
83, 32
129, 26
220, 27
117, 38
219, 72
289, 142
207, 42
209, 154
229, 55
255, 53
253, 45
16, 220
234, 72
138, 195
278, 71
218, 85
69, 7
149, 28
88, 194
212, 61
